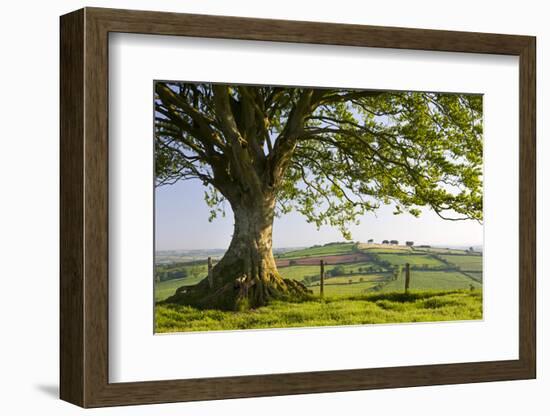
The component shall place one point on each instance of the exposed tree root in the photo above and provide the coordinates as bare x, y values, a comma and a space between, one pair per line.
241, 293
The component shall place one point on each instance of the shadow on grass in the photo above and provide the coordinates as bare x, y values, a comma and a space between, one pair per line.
396, 297
405, 297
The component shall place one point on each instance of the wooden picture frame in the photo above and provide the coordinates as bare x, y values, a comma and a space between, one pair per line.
84, 207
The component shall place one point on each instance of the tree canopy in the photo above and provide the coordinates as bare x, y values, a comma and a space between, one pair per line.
329, 154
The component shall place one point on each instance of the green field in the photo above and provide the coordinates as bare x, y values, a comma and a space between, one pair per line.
366, 292
344, 288
354, 267
355, 310
299, 272
476, 275
357, 278
412, 259
388, 250
377, 277
194, 271
333, 285
423, 280
420, 280
168, 288
469, 263
327, 250
438, 250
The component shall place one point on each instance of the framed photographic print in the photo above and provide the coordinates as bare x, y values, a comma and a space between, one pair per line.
256, 207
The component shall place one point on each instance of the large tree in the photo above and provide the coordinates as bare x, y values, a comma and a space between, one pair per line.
330, 154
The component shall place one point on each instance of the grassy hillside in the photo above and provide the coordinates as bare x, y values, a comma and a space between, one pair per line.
440, 250
412, 259
436, 280
387, 249
355, 310
471, 263
299, 272
476, 275
374, 275
342, 288
326, 250
168, 288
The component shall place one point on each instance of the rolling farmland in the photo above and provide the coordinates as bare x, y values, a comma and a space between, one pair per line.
400, 259
467, 263
358, 269
326, 250
363, 284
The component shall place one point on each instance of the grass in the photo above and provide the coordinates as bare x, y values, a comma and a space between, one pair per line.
387, 249
192, 273
356, 278
373, 282
421, 306
167, 288
470, 263
476, 275
424, 280
299, 272
435, 295
440, 250
354, 267
333, 249
344, 289
412, 259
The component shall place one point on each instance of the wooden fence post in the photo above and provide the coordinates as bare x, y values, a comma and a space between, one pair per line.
407, 277
210, 275
322, 284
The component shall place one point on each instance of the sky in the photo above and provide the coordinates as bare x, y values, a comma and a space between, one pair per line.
181, 223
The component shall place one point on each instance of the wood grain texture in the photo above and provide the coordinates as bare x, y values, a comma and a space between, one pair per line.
527, 207
96, 208
84, 207
71, 184
225, 27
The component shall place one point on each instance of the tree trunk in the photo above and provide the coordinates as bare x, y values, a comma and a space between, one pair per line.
247, 276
